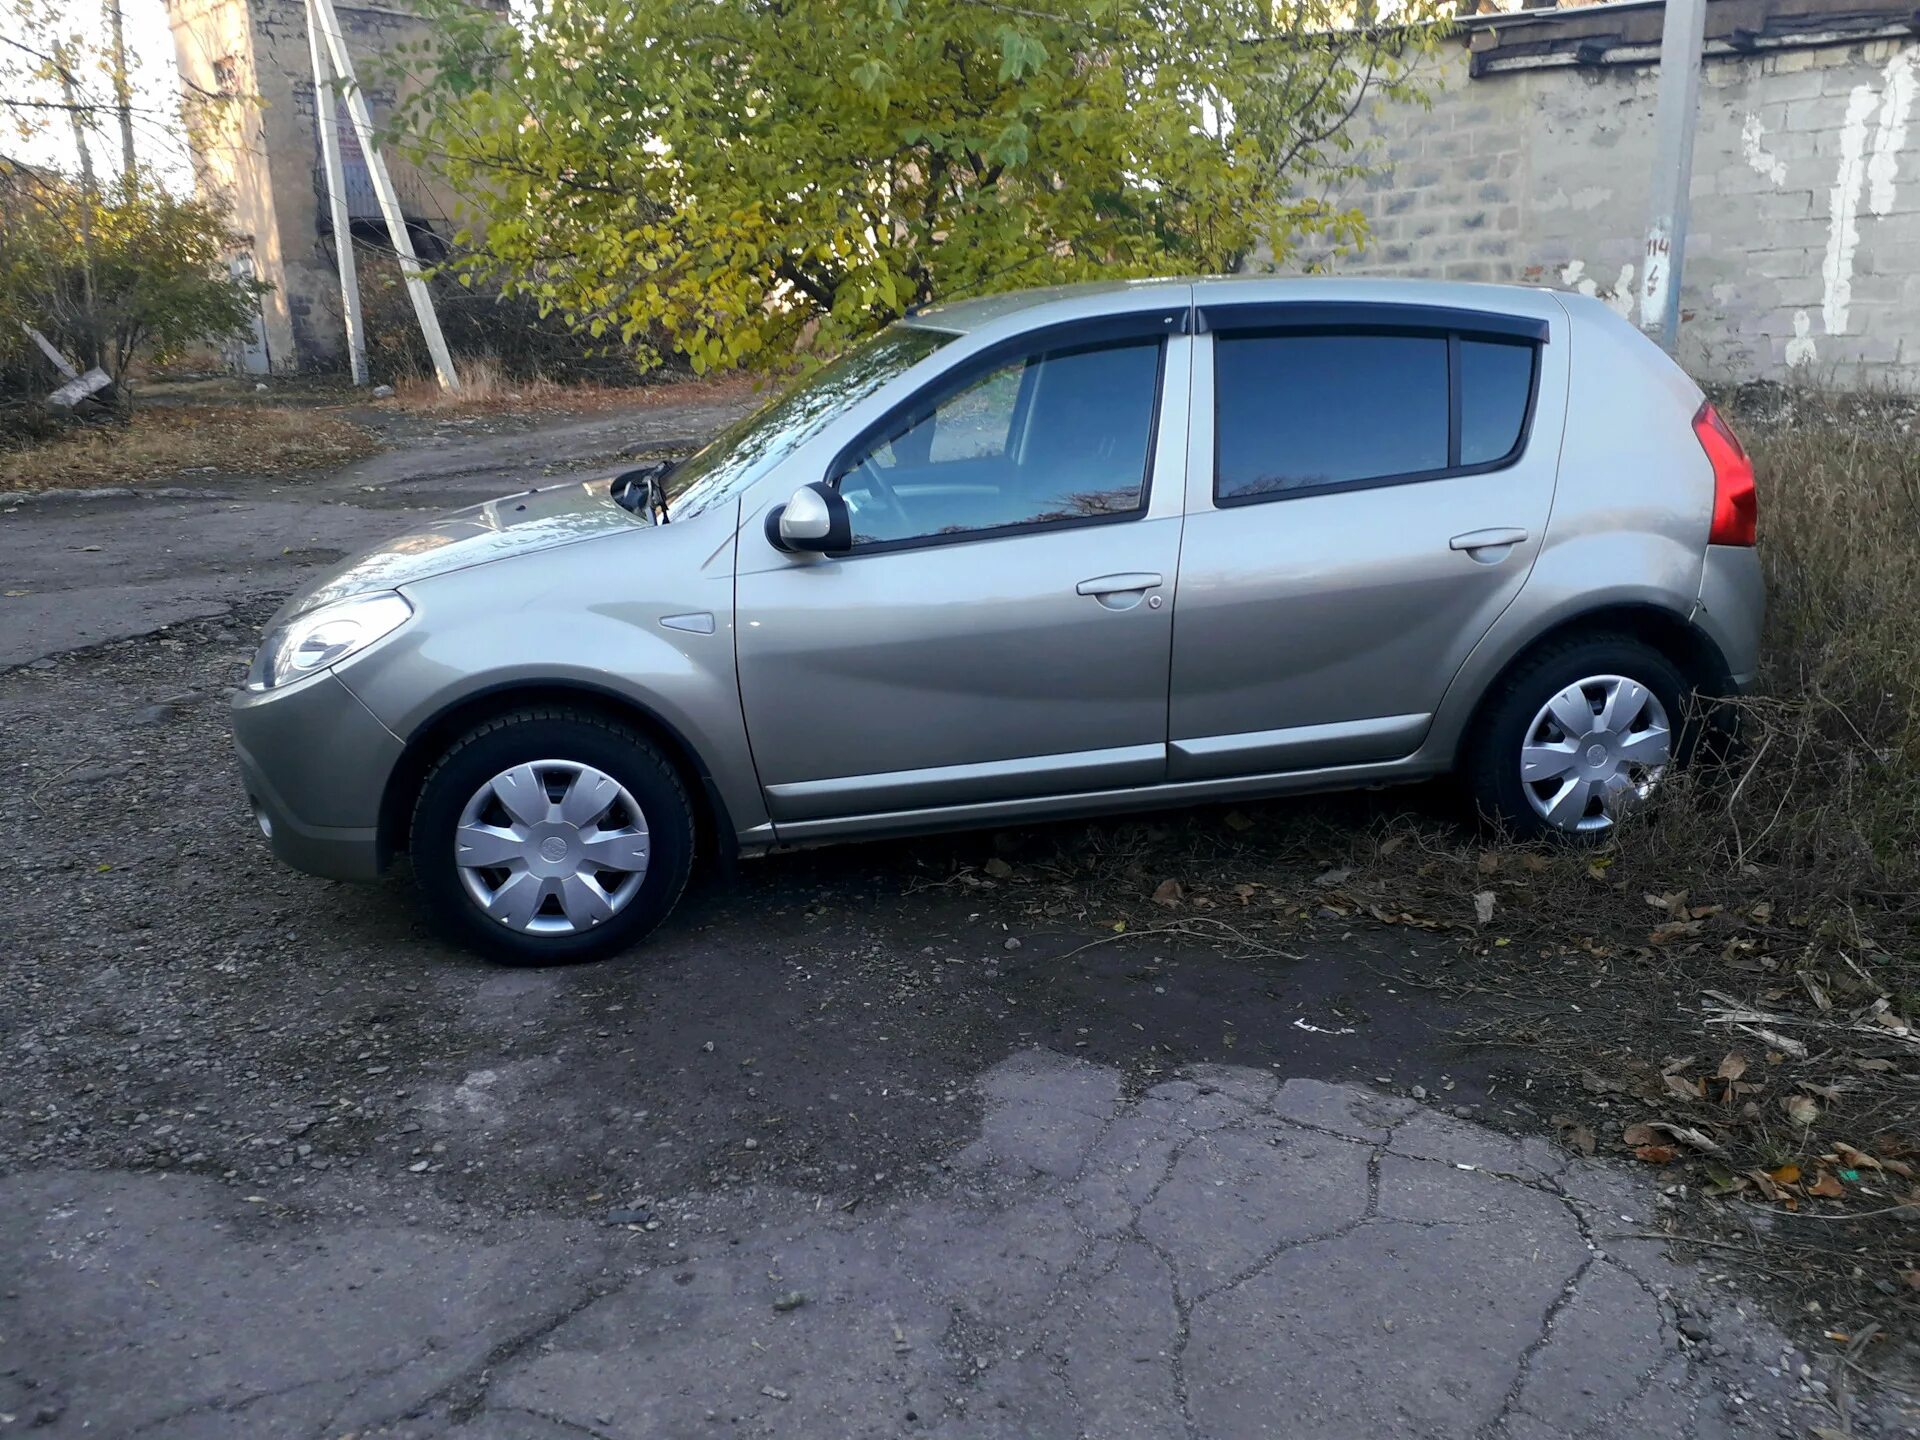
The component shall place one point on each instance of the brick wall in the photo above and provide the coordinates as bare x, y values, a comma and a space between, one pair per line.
1805, 247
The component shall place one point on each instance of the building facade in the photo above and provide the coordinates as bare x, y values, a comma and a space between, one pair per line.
247, 76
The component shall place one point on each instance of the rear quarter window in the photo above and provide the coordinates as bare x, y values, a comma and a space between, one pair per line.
1496, 389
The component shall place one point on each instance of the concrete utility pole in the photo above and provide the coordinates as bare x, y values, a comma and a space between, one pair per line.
122, 97
326, 118
1682, 38
321, 11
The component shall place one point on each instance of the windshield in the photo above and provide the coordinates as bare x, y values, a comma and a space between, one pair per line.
744, 450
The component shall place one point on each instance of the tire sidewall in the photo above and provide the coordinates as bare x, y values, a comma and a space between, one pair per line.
627, 758
1495, 773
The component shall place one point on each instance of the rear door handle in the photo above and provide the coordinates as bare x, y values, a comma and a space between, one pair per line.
1479, 543
1118, 584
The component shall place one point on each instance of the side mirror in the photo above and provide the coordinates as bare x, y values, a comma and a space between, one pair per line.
815, 519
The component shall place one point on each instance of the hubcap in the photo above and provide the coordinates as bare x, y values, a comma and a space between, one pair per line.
551, 848
1595, 748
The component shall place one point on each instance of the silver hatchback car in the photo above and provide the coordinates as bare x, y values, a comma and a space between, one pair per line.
1059, 553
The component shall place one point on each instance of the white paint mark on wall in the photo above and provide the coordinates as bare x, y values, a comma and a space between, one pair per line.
1890, 136
1759, 159
1619, 299
1865, 172
1800, 349
1843, 208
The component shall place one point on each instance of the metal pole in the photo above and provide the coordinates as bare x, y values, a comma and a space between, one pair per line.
327, 119
122, 96
383, 191
1682, 38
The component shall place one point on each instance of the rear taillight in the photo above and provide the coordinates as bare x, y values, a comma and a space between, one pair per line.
1736, 509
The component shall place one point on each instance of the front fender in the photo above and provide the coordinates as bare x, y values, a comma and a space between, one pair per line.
590, 618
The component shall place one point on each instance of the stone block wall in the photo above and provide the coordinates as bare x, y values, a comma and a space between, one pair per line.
1805, 242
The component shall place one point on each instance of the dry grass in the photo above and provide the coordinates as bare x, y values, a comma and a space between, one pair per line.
160, 445
486, 389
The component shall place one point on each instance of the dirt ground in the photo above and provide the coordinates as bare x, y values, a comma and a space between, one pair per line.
865, 1141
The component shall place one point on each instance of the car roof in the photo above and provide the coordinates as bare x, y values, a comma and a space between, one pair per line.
1106, 297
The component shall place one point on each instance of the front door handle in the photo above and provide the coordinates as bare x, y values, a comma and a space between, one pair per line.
1118, 584
1122, 592
1487, 546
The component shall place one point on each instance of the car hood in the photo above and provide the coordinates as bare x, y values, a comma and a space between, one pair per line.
512, 525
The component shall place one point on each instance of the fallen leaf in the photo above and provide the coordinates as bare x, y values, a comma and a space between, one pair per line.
1488, 862
1826, 1187
1733, 1067
1656, 1154
1721, 1181
1684, 1088
1785, 1174
1873, 1066
1168, 893
998, 868
1576, 1135
1392, 843
1483, 903
1236, 821
1802, 1111
1692, 1138
1331, 877
1680, 930
1640, 1134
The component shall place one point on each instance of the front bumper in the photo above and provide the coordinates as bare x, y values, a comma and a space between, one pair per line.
316, 763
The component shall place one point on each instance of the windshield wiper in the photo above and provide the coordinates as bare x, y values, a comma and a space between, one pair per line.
643, 490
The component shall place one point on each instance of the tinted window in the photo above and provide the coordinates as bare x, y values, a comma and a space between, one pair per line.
1496, 381
1303, 411
1044, 438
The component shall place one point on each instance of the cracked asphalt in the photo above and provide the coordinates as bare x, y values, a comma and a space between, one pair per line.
855, 1146
1221, 1254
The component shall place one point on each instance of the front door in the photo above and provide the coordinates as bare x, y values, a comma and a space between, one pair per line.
1001, 625
1374, 493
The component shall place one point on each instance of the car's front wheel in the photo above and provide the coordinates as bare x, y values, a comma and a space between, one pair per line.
1575, 735
551, 836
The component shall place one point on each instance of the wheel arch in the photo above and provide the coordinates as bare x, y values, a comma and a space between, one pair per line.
713, 827
1690, 649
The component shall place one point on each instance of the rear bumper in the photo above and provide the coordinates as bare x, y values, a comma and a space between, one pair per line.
1732, 609
316, 762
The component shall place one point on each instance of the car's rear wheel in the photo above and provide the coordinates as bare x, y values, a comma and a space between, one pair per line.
549, 837
1576, 735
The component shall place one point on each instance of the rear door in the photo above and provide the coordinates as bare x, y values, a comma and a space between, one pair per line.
1368, 489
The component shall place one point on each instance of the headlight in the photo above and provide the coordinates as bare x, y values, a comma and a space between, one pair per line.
309, 643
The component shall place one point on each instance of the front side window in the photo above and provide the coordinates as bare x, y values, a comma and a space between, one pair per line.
1305, 412
748, 448
1053, 437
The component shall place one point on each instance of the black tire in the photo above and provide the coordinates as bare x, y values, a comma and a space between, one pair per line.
1490, 756
551, 734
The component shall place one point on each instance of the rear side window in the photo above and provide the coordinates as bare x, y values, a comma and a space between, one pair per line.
1304, 412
